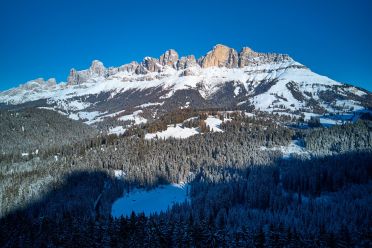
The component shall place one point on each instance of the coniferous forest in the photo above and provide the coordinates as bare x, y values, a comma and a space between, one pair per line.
246, 190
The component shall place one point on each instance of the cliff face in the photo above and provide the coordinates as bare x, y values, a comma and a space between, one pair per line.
220, 56
170, 58
97, 69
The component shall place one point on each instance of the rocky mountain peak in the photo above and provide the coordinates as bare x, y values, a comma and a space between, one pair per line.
220, 56
39, 83
131, 67
73, 77
186, 62
149, 64
246, 50
244, 56
170, 57
97, 68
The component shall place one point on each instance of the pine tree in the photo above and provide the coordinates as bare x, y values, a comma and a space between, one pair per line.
343, 238
259, 238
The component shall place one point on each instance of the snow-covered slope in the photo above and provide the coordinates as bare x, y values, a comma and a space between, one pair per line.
266, 82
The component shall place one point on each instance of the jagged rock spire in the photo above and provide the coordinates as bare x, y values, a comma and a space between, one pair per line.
170, 57
97, 68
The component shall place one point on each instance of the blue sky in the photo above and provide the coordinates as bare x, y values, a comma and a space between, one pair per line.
43, 38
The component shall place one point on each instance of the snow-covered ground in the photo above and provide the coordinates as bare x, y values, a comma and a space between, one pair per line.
150, 104
295, 147
119, 174
177, 132
214, 124
152, 201
136, 117
117, 130
327, 122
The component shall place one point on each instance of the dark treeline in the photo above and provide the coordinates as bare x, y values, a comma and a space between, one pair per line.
167, 231
229, 207
326, 174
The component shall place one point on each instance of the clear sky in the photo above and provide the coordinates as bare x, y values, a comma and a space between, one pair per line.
45, 38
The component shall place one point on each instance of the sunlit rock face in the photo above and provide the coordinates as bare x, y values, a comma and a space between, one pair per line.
169, 58
220, 56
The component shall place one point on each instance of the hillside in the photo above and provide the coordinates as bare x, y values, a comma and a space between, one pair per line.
30, 131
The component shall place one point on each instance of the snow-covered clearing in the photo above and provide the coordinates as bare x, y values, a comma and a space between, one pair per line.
295, 147
152, 201
134, 117
119, 174
90, 116
177, 132
214, 124
150, 104
326, 122
117, 130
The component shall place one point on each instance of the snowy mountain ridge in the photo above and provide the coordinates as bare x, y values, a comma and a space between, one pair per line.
223, 78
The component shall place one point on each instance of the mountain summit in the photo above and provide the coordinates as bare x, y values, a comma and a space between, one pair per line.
221, 79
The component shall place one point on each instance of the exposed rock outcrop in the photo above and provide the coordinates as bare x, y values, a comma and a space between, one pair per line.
220, 56
248, 57
170, 58
40, 82
73, 77
149, 65
97, 68
244, 56
186, 62
131, 67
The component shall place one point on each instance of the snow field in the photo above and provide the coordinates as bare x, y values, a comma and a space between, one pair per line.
152, 201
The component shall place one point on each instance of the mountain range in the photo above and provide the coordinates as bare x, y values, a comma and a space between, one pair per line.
221, 79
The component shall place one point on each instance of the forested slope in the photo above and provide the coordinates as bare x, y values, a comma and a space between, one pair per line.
244, 193
28, 130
